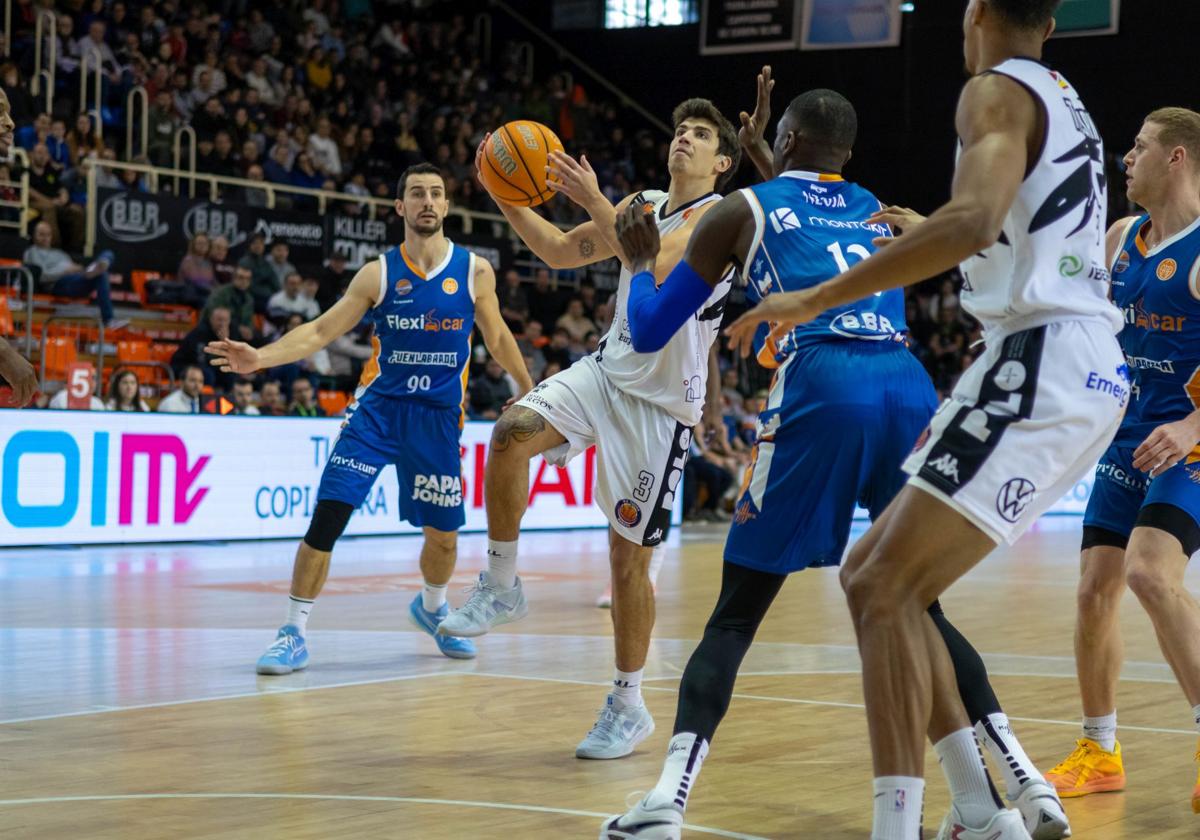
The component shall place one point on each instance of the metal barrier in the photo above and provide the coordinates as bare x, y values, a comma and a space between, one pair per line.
134, 94
188, 131
92, 54
9, 272
47, 74
46, 334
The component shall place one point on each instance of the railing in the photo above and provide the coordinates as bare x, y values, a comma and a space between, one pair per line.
177, 149
44, 75
92, 56
46, 335
135, 94
21, 205
20, 271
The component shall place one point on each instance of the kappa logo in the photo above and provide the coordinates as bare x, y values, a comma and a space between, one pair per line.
1014, 497
947, 465
784, 218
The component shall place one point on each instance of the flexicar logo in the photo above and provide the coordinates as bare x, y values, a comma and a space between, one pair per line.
429, 322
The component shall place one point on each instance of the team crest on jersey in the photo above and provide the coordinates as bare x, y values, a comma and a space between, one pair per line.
1122, 263
403, 286
1166, 269
628, 513
449, 285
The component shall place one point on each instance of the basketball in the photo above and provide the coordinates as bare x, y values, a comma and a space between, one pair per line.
515, 158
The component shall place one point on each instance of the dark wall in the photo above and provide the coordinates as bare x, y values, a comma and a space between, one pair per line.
905, 96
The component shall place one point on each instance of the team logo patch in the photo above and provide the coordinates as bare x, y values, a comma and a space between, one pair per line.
628, 513
449, 285
1014, 497
1166, 269
403, 287
1011, 375
744, 513
1070, 265
1122, 263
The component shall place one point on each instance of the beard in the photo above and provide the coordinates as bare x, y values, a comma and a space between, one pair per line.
425, 227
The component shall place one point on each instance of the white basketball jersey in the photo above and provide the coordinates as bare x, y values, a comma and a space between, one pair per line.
1049, 264
674, 378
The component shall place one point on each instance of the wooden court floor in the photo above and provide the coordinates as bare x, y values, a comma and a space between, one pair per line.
129, 707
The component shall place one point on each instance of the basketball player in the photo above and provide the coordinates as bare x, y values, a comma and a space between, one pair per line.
1043, 402
424, 296
638, 408
14, 368
1143, 520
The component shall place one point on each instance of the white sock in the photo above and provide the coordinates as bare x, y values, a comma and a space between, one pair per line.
502, 563
1102, 730
898, 802
685, 753
656, 564
1196, 715
433, 595
627, 688
995, 733
298, 610
970, 788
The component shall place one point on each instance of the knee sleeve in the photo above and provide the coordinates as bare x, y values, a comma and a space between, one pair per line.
969, 671
1175, 521
1094, 535
328, 522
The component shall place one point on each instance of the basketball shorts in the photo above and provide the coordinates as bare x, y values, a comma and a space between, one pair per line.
839, 419
1120, 492
640, 448
1030, 417
422, 441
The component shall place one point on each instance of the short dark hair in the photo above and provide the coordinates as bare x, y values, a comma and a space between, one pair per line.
417, 169
186, 368
727, 139
1026, 14
825, 118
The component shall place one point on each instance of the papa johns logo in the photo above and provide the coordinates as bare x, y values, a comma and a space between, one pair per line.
628, 513
1014, 497
129, 219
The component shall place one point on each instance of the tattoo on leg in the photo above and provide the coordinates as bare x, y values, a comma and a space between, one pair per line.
516, 425
587, 248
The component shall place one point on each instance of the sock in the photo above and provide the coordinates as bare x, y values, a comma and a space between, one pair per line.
995, 733
627, 688
298, 610
1102, 730
898, 801
685, 753
502, 563
656, 563
433, 595
970, 788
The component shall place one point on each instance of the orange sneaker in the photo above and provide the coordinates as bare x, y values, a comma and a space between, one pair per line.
1089, 769
1196, 790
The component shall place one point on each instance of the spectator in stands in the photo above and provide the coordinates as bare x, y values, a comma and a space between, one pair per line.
304, 403
59, 401
333, 282
253, 196
222, 160
278, 260
489, 392
575, 323
348, 352
270, 399
323, 150
196, 271
238, 298
191, 349
264, 282
317, 364
21, 106
242, 397
218, 255
947, 346
545, 303
291, 301
549, 370
49, 197
123, 387
82, 140
186, 398
60, 275
306, 176
163, 122
95, 40
705, 469
514, 304
558, 351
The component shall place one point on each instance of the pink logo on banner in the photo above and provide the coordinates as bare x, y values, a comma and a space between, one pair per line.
155, 447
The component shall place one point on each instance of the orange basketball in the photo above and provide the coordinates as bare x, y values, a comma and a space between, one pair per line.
514, 162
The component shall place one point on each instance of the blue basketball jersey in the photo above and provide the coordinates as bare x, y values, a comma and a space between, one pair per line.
811, 227
1158, 291
423, 326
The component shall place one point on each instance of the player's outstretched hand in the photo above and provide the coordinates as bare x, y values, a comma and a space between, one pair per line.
900, 219
637, 231
20, 374
479, 159
782, 311
573, 178
1165, 447
233, 356
754, 126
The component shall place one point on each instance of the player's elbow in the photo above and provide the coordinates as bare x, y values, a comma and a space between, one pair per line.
644, 339
979, 228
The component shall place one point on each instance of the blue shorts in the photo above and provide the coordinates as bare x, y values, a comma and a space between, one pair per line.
1120, 492
840, 419
421, 440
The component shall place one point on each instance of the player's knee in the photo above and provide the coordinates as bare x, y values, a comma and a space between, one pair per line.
870, 597
444, 542
328, 522
1100, 588
512, 434
1147, 579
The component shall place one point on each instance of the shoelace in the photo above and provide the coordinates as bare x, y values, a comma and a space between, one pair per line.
284, 644
606, 724
477, 602
1080, 752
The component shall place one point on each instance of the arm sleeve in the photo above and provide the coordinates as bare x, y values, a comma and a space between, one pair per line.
656, 314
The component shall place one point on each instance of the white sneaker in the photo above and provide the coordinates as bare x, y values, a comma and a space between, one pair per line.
1004, 825
487, 607
1042, 811
645, 822
617, 731
604, 602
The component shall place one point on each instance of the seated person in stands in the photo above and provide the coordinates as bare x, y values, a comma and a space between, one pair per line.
348, 352
291, 301
59, 401
123, 387
60, 275
191, 349
238, 298
304, 403
218, 255
489, 392
242, 397
558, 351
196, 271
263, 279
270, 399
187, 398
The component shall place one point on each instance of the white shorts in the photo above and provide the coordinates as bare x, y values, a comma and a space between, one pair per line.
1029, 418
640, 448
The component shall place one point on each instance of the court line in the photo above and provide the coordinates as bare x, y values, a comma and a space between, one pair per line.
404, 800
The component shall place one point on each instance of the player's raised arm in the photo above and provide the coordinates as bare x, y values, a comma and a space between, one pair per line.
582, 245
577, 181
496, 334
752, 134
996, 120
306, 339
657, 312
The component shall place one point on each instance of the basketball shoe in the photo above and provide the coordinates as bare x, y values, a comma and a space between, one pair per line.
451, 646
487, 607
1089, 769
616, 731
1196, 790
1004, 825
647, 820
1042, 811
288, 653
